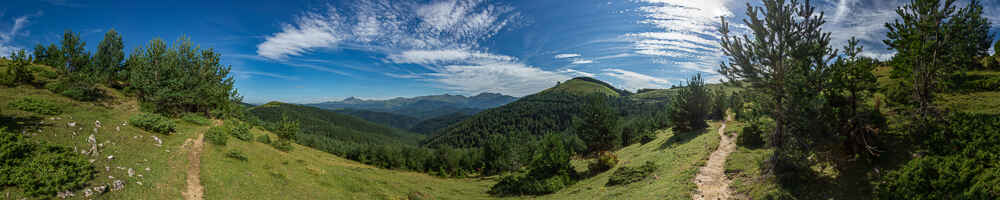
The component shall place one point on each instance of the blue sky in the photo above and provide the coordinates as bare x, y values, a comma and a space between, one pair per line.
311, 51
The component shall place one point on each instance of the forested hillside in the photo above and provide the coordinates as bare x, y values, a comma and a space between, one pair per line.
326, 124
550, 111
422, 107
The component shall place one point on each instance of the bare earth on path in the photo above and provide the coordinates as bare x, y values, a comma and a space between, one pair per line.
711, 179
194, 189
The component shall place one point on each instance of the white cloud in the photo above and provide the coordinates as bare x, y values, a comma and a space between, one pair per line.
685, 33
581, 61
473, 72
634, 81
499, 77
567, 55
451, 24
444, 56
576, 73
6, 48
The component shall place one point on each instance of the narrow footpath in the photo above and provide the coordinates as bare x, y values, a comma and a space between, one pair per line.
711, 179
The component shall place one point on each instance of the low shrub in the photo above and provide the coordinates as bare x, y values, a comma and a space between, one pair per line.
153, 123
961, 162
750, 137
35, 105
263, 138
647, 138
195, 119
605, 161
83, 93
239, 130
237, 154
283, 145
217, 135
528, 185
41, 170
549, 172
626, 175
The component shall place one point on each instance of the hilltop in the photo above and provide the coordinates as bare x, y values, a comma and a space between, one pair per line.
549, 111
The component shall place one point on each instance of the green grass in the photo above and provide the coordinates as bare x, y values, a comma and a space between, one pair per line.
678, 162
578, 86
306, 173
165, 180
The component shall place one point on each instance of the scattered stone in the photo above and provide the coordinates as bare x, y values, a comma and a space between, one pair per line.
95, 129
138, 182
100, 189
118, 128
71, 124
93, 145
158, 141
106, 168
97, 123
111, 157
87, 192
65, 194
140, 175
120, 167
111, 177
92, 160
147, 169
117, 185
74, 133
131, 172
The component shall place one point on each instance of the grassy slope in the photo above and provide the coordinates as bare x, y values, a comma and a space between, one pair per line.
304, 173
165, 180
678, 156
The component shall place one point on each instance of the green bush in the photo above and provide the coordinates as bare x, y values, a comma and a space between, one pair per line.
750, 137
961, 162
549, 172
237, 154
526, 185
239, 130
626, 175
35, 105
153, 123
217, 135
195, 119
83, 93
605, 161
283, 145
263, 138
41, 170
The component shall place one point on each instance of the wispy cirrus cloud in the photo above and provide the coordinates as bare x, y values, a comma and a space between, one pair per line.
685, 32
401, 25
574, 59
6, 38
634, 81
472, 72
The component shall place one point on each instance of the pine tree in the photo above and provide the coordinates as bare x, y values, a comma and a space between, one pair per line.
932, 39
691, 105
598, 125
109, 57
785, 60
18, 69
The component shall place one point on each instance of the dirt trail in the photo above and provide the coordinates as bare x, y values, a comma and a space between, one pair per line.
711, 179
194, 188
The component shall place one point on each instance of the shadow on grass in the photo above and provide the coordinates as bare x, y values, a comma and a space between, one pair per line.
17, 124
682, 137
